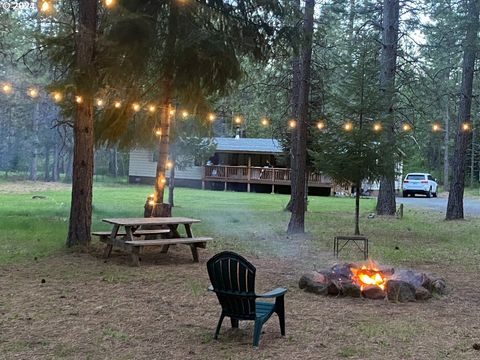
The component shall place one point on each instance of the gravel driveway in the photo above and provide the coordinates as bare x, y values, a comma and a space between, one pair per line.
471, 206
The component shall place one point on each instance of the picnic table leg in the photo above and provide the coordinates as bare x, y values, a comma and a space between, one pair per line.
109, 246
188, 230
135, 253
194, 252
174, 230
134, 250
107, 251
193, 247
173, 233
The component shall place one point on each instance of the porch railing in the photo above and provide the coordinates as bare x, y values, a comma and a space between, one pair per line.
259, 175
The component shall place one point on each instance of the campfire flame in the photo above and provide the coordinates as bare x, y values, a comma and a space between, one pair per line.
368, 274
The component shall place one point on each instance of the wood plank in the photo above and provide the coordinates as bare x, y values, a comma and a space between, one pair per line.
151, 232
136, 233
159, 242
151, 221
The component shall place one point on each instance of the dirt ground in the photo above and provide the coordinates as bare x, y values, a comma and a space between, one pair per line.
79, 306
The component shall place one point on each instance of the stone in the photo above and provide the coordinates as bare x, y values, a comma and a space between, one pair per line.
422, 293
373, 292
334, 288
412, 277
401, 291
314, 282
350, 289
439, 286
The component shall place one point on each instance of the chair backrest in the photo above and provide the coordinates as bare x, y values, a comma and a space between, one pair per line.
233, 280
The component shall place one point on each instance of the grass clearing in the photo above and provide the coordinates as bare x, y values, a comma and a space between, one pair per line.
89, 308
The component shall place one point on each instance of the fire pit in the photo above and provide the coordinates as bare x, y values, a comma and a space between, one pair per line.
371, 281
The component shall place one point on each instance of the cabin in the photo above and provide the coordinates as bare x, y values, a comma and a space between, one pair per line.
239, 164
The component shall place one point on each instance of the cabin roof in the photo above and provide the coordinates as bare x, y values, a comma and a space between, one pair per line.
248, 145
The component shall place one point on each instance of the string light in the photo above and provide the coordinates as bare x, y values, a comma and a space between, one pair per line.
185, 113
211, 117
377, 127
158, 132
44, 6
57, 96
78, 99
152, 108
406, 127
348, 126
292, 124
110, 3
264, 121
7, 88
466, 126
436, 127
32, 92
238, 120
169, 164
117, 104
320, 125
151, 199
100, 102
163, 180
172, 112
136, 107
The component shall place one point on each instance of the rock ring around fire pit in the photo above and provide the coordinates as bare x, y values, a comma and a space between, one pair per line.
370, 281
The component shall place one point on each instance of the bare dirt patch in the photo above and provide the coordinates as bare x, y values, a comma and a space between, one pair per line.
77, 306
25, 187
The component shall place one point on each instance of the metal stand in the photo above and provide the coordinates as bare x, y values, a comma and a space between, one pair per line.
339, 242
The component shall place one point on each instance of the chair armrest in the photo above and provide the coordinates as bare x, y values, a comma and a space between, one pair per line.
274, 293
210, 288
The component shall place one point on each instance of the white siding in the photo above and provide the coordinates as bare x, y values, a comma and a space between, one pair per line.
141, 164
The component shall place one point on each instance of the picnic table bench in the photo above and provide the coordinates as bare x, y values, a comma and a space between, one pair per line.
137, 233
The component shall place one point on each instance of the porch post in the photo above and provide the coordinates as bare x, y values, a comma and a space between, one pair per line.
249, 172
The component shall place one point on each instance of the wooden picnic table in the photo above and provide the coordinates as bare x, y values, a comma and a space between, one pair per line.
153, 231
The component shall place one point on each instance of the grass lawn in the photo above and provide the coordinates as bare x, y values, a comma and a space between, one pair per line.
56, 304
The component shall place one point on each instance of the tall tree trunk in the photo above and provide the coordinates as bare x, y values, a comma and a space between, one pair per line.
358, 186
351, 21
56, 159
47, 164
472, 156
35, 143
113, 161
69, 166
294, 103
457, 186
171, 183
165, 115
82, 177
446, 157
386, 196
297, 220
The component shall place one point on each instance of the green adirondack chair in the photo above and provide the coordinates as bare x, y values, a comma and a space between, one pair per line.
233, 281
